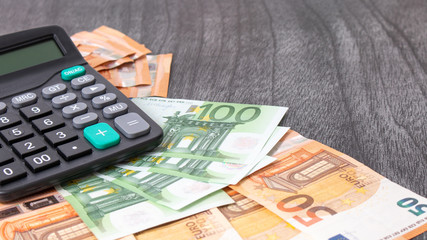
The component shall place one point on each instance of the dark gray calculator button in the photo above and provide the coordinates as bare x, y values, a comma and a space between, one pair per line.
60, 136
3, 107
9, 120
48, 123
85, 120
35, 111
93, 90
42, 161
64, 100
54, 90
75, 149
74, 110
132, 125
24, 100
5, 156
29, 147
83, 81
11, 172
104, 100
16, 134
115, 110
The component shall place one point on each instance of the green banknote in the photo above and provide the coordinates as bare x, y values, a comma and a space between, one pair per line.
211, 131
111, 211
173, 191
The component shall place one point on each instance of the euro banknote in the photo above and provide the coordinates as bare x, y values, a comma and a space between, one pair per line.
111, 211
329, 195
129, 74
212, 131
172, 191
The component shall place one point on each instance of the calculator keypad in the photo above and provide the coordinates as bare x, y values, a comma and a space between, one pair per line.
46, 131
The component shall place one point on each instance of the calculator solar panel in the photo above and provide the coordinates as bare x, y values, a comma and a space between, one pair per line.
59, 118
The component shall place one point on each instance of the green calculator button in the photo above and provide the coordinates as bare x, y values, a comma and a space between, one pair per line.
72, 72
101, 135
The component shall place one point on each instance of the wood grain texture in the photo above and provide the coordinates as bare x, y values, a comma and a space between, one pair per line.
354, 73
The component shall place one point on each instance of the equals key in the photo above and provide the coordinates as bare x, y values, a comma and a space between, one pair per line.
132, 125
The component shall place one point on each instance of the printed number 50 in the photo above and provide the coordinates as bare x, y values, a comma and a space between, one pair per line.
409, 202
310, 212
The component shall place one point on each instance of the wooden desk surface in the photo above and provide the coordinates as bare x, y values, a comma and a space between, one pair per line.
352, 72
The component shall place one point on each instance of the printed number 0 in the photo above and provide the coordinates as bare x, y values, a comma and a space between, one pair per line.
8, 171
307, 203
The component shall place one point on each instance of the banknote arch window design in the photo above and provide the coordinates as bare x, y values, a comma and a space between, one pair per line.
309, 168
183, 134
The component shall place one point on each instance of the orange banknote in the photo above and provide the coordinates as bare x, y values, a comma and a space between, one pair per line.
330, 195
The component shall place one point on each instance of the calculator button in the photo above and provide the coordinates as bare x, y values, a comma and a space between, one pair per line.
3, 107
132, 125
42, 161
93, 90
11, 172
5, 156
74, 110
35, 111
48, 123
101, 135
54, 90
72, 72
85, 120
60, 136
74, 149
115, 110
24, 100
83, 81
29, 147
64, 100
16, 134
9, 120
104, 100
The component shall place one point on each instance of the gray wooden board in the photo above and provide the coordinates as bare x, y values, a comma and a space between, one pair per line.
352, 72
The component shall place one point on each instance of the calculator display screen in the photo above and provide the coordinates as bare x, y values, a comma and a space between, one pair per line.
29, 56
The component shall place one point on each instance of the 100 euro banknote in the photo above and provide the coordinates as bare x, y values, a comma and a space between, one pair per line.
212, 131
329, 195
111, 211
173, 191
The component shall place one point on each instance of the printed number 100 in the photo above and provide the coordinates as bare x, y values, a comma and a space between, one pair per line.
227, 111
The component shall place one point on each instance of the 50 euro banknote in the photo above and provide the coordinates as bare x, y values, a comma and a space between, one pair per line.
329, 195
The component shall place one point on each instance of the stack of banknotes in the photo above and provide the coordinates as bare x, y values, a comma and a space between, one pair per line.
222, 171
126, 63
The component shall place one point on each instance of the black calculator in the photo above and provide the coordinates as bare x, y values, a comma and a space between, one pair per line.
59, 118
